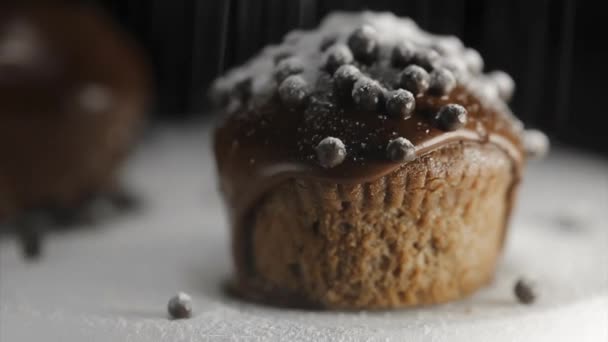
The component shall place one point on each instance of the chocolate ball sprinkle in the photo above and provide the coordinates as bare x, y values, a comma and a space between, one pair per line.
336, 56
364, 44
287, 67
367, 93
402, 55
441, 82
473, 60
401, 150
326, 42
293, 91
242, 89
400, 104
345, 77
426, 58
180, 306
415, 79
536, 143
451, 117
504, 84
524, 291
281, 56
448, 45
330, 152
457, 66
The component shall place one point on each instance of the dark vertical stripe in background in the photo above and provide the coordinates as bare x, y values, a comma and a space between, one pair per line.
550, 47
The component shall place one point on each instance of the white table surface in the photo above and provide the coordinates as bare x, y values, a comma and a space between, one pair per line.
112, 282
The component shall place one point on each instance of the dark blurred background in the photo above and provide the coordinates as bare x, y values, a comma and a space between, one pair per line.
552, 49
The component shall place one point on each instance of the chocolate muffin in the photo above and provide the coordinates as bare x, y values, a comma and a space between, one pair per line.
367, 164
72, 92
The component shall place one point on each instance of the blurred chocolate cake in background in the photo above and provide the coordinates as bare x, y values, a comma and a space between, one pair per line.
73, 97
548, 46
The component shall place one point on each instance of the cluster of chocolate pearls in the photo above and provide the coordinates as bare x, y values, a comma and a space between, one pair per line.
368, 94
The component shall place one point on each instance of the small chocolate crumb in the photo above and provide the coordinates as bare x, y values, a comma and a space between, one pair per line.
124, 200
293, 91
30, 230
31, 244
336, 56
524, 291
402, 55
180, 306
451, 117
364, 43
326, 42
287, 67
415, 79
473, 60
401, 150
400, 104
330, 152
367, 93
345, 77
536, 143
504, 83
442, 82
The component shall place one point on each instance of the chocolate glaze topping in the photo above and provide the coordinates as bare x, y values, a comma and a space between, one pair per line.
265, 140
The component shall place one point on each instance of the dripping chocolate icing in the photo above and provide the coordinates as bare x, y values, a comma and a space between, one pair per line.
254, 155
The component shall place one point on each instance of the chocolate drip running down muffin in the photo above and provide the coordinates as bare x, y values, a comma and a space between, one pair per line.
375, 171
73, 91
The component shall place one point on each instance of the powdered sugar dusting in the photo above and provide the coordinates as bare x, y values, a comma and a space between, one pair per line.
311, 49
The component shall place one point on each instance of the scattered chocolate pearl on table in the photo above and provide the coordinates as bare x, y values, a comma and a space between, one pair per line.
451, 117
473, 60
345, 77
326, 42
441, 82
180, 306
402, 55
504, 83
330, 152
415, 79
525, 291
536, 143
566, 222
336, 56
400, 104
287, 67
367, 93
364, 43
293, 91
401, 150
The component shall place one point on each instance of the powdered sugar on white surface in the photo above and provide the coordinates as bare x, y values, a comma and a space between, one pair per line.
112, 282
